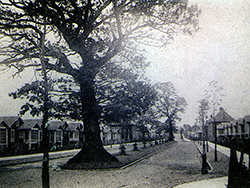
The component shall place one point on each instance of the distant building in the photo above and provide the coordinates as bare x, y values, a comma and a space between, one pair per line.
73, 134
19, 136
217, 123
115, 133
55, 130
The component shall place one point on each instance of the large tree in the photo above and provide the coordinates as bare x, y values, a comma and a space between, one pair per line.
93, 32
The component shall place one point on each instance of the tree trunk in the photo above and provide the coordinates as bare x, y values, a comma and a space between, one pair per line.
92, 150
171, 134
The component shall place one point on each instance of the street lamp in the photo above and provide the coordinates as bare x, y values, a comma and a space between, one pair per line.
206, 130
204, 169
215, 141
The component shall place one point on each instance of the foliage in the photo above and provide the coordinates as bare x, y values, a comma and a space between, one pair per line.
63, 98
122, 97
35, 94
202, 111
169, 104
91, 32
94, 31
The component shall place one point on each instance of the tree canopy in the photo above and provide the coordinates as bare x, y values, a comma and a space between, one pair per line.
169, 105
94, 30
123, 97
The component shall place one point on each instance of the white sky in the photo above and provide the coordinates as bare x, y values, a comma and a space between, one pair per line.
219, 51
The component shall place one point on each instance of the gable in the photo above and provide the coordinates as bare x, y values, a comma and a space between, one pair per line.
223, 116
4, 125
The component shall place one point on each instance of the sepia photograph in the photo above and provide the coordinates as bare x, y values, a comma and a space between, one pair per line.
124, 93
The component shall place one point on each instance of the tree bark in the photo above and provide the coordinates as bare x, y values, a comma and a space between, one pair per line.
92, 150
171, 134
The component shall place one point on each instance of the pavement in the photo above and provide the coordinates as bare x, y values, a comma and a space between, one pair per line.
211, 183
217, 182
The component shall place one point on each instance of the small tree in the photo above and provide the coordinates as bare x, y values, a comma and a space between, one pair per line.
202, 111
214, 96
141, 124
169, 105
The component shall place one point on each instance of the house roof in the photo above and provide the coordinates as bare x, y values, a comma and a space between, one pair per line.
9, 120
30, 123
223, 116
247, 118
54, 125
2, 123
234, 123
74, 126
240, 121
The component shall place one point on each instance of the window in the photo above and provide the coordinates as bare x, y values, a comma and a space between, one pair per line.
12, 135
242, 128
21, 135
41, 135
221, 131
34, 135
26, 135
51, 137
71, 135
3, 136
236, 129
77, 135
59, 136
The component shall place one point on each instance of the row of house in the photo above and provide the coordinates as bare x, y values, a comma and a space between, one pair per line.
227, 127
117, 133
222, 126
15, 132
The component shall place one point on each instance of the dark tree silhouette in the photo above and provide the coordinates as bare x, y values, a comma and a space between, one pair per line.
169, 104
